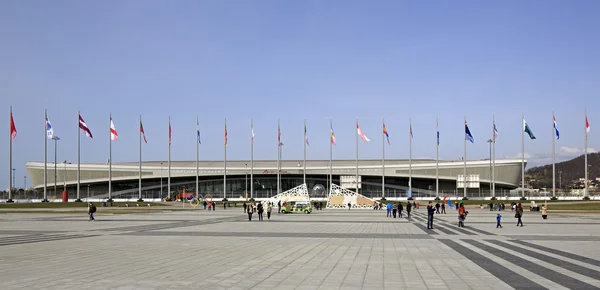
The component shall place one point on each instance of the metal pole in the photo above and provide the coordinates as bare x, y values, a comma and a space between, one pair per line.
357, 186
305, 141
278, 155
169, 164
251, 158
45, 155
437, 158
109, 159
465, 161
494, 156
523, 154
10, 171
88, 193
161, 180
225, 165
78, 155
197, 157
65, 175
246, 180
383, 159
490, 175
585, 190
553, 159
330, 155
24, 183
140, 165
55, 171
410, 159
13, 177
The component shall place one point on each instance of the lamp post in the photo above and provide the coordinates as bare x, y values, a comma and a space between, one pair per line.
25, 185
55, 138
246, 186
161, 181
560, 180
13, 181
88, 193
490, 141
65, 175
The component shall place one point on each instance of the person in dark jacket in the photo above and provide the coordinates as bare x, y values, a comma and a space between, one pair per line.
430, 213
260, 210
400, 209
408, 209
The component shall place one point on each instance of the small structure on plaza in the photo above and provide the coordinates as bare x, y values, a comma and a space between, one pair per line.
298, 193
339, 197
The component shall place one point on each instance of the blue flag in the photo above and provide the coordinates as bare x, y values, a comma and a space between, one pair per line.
468, 135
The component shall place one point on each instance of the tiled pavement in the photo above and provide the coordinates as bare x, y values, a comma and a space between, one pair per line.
330, 249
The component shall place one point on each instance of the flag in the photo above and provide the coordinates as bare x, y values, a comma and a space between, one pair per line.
49, 129
225, 134
495, 133
411, 134
556, 128
142, 131
83, 126
332, 135
13, 129
468, 135
279, 136
528, 130
587, 128
385, 132
113, 132
198, 132
305, 135
437, 129
361, 134
170, 132
252, 132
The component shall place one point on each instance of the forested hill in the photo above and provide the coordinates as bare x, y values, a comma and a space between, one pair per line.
571, 170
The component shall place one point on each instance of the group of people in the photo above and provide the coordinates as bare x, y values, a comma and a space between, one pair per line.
259, 208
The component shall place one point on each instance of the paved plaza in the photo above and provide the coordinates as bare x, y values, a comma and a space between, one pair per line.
328, 249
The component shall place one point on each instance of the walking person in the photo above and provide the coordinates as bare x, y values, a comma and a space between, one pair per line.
245, 206
443, 208
400, 209
408, 208
437, 207
260, 210
250, 210
91, 211
544, 212
462, 214
498, 220
430, 212
394, 210
389, 209
269, 208
279, 207
519, 214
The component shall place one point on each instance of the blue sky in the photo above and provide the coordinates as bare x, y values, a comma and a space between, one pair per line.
294, 60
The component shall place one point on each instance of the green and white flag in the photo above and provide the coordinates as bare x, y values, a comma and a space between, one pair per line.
528, 130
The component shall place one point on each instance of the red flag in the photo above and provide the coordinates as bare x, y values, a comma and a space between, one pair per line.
225, 134
83, 126
13, 129
113, 132
142, 131
278, 136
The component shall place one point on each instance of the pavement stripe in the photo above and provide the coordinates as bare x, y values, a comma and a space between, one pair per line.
564, 264
549, 274
560, 253
282, 235
43, 240
509, 277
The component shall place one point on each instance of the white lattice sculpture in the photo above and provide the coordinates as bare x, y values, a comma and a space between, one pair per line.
339, 197
298, 193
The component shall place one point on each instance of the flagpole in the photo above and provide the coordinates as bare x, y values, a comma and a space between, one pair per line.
493, 156
10, 122
78, 159
410, 160
465, 161
383, 159
278, 155
225, 165
523, 154
169, 164
330, 156
109, 158
305, 138
357, 187
197, 157
437, 158
252, 158
46, 155
585, 190
140, 165
553, 158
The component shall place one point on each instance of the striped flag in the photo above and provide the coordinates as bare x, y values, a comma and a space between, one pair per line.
13, 128
496, 133
385, 132
332, 138
142, 131
362, 134
113, 132
556, 128
305, 135
83, 126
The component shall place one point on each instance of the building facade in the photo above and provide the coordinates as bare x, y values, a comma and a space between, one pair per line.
125, 178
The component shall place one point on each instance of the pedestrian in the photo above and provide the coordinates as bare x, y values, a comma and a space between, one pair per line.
400, 209
430, 212
544, 212
437, 207
279, 206
394, 210
408, 208
462, 214
269, 208
443, 208
519, 214
349, 206
498, 220
260, 210
214, 205
245, 206
91, 211
389, 209
250, 210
